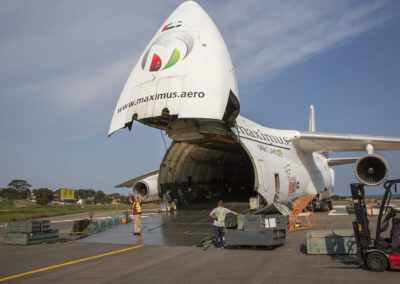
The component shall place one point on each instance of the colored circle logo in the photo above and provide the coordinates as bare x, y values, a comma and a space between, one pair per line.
164, 40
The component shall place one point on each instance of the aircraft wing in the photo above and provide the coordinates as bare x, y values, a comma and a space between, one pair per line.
331, 142
131, 182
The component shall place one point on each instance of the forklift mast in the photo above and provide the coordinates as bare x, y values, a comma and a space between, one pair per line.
361, 224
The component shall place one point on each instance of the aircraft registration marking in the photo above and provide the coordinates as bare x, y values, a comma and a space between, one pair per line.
286, 148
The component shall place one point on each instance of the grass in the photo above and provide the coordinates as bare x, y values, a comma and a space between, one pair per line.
11, 213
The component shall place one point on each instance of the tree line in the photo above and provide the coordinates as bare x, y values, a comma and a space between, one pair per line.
20, 189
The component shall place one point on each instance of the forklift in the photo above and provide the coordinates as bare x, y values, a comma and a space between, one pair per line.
377, 254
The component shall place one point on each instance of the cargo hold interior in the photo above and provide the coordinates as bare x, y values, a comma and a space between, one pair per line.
207, 170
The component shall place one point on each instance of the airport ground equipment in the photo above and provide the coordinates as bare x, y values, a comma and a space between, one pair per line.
258, 230
377, 254
18, 238
79, 226
29, 232
331, 242
322, 205
31, 226
299, 206
105, 224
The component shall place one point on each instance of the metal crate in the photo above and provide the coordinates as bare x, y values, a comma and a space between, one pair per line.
117, 220
91, 229
260, 238
50, 235
276, 222
20, 238
256, 223
110, 222
331, 242
32, 226
102, 225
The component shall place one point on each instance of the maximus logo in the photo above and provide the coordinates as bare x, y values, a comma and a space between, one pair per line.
164, 40
257, 135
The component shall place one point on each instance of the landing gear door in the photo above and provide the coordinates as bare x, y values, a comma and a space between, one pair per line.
263, 176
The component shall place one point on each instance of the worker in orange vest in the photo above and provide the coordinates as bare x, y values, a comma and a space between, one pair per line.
137, 213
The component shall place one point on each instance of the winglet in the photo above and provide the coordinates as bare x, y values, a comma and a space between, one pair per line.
311, 123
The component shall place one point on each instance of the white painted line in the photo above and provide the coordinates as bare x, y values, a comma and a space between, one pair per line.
305, 214
335, 213
72, 220
146, 214
60, 221
339, 206
3, 226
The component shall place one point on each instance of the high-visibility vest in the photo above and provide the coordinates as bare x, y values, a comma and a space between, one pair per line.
220, 215
138, 207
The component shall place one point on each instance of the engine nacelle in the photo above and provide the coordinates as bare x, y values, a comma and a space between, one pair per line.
147, 187
371, 170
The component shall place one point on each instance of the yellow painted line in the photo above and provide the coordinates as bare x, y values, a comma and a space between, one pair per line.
67, 263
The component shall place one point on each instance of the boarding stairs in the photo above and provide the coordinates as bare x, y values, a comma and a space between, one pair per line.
298, 207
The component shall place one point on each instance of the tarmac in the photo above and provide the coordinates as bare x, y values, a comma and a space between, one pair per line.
165, 255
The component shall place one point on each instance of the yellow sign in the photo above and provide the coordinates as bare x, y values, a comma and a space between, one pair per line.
67, 193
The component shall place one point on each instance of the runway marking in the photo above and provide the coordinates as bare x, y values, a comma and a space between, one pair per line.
336, 213
339, 206
67, 263
72, 220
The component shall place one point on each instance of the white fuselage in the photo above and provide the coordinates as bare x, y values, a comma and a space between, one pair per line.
283, 172
247, 157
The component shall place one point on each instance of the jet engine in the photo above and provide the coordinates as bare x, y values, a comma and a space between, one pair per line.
371, 170
147, 187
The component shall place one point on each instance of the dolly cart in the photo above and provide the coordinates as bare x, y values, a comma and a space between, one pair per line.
377, 254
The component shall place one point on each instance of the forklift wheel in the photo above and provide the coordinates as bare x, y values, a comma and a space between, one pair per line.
376, 261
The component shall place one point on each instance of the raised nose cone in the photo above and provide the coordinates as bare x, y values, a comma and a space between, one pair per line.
185, 72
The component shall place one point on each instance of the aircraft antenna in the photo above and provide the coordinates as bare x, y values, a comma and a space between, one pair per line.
311, 122
165, 144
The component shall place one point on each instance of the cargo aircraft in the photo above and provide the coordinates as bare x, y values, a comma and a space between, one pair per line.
184, 83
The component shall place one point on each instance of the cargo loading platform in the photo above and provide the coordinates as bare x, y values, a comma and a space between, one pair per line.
183, 227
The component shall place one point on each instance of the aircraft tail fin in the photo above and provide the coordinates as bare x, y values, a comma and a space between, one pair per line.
311, 123
311, 126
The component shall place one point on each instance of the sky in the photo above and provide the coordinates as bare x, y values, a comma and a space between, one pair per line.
63, 65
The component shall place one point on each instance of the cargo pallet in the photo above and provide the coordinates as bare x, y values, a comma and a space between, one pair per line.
21, 238
104, 224
32, 226
258, 230
331, 242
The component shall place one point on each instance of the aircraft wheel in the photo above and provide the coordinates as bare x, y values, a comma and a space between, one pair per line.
376, 261
330, 206
324, 206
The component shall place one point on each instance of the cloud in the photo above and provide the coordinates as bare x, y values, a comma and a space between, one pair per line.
76, 57
71, 63
267, 37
